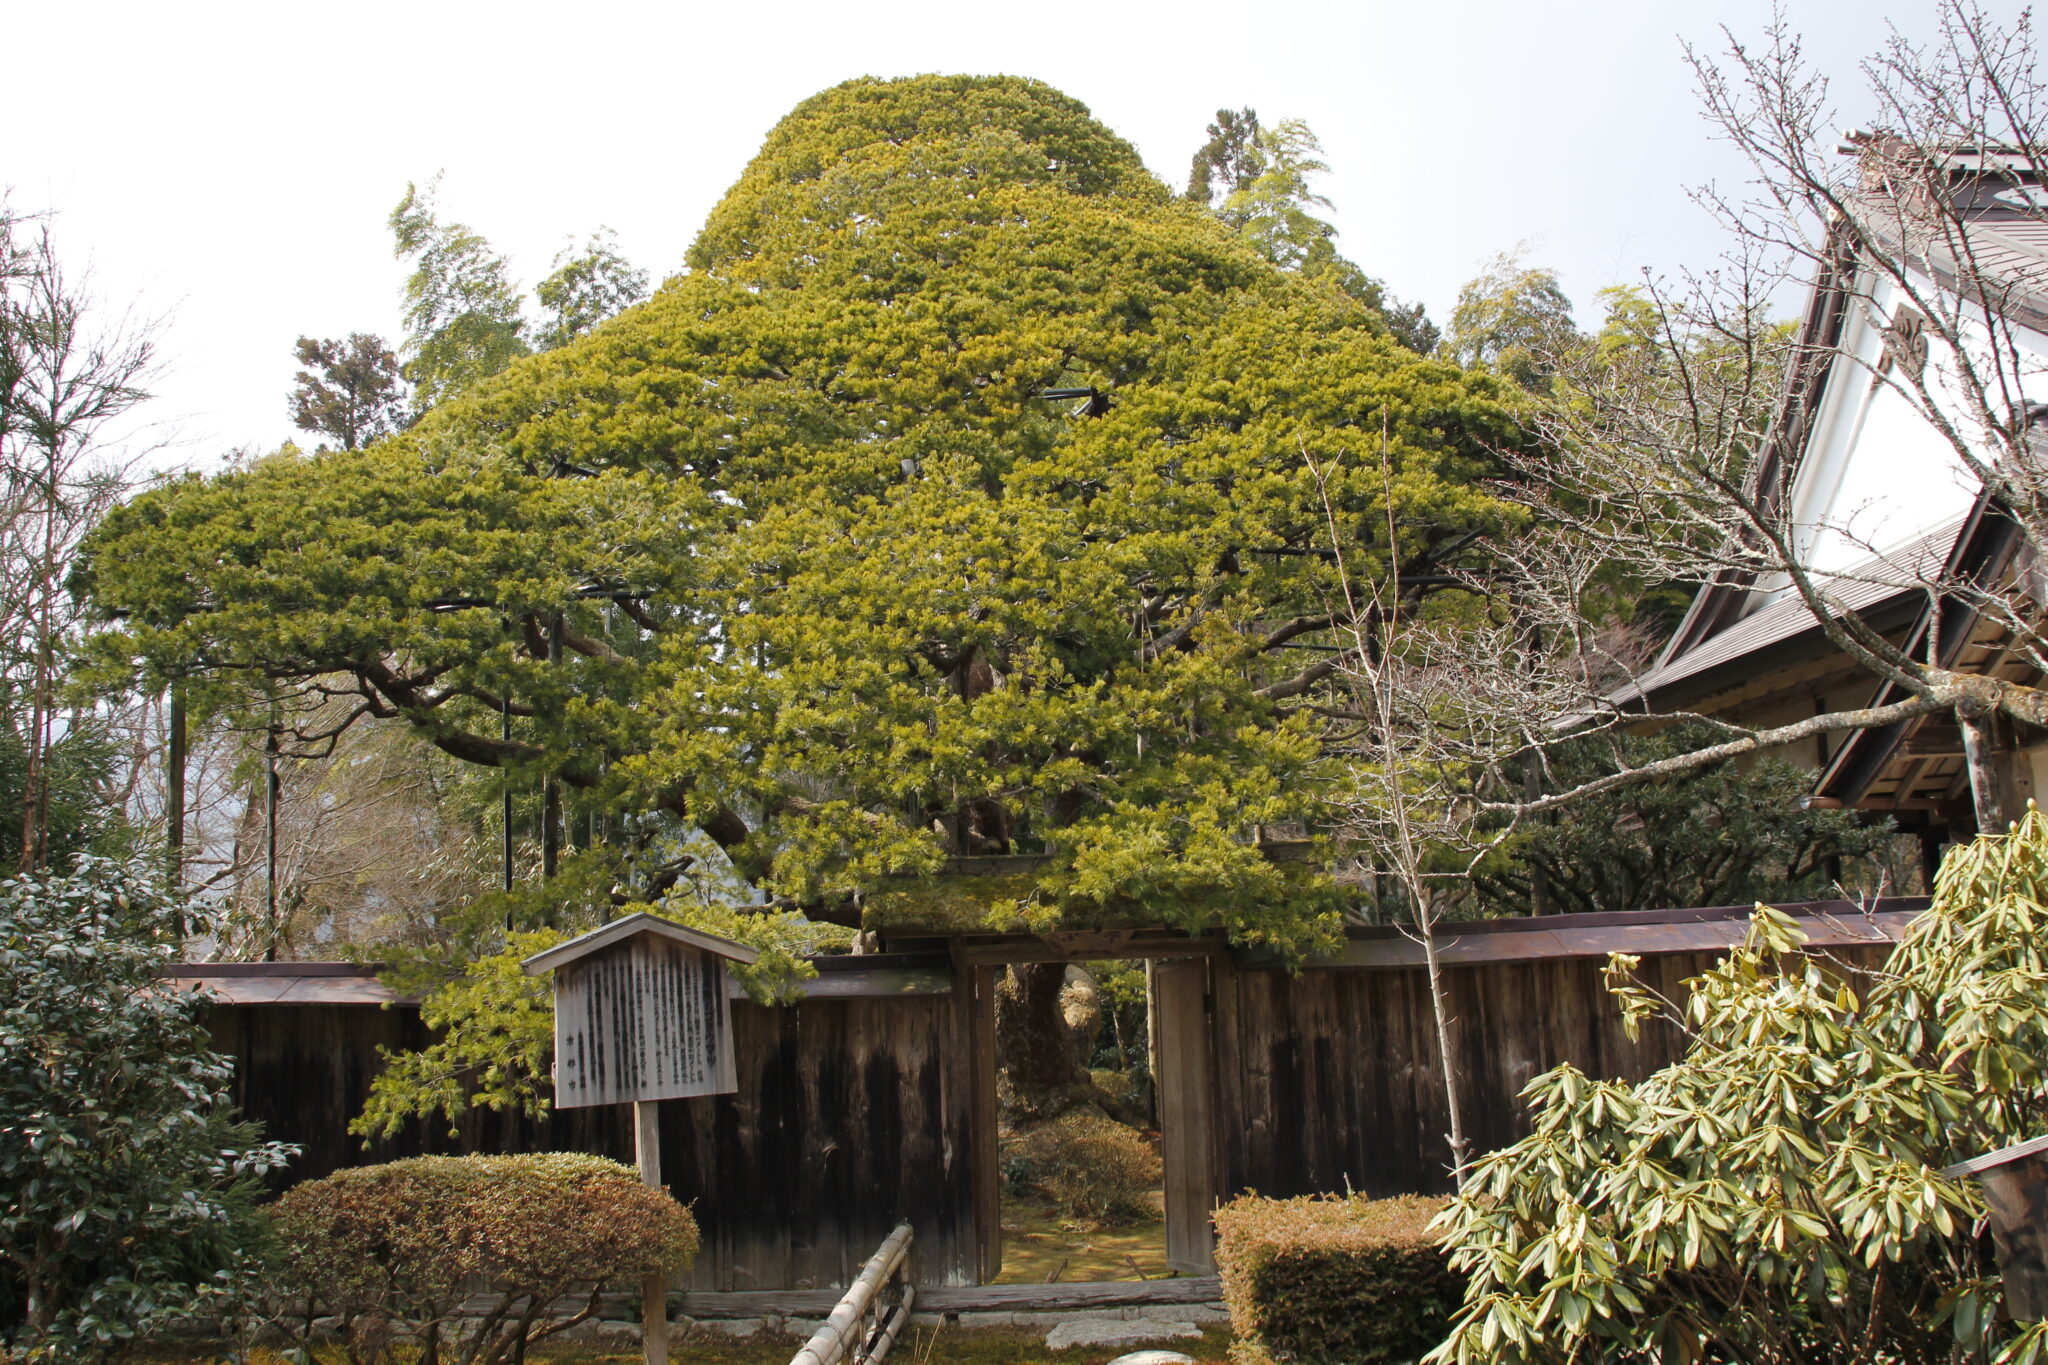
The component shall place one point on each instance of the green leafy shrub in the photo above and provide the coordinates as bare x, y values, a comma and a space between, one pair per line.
1087, 1165
1776, 1196
392, 1251
1125, 1094
1328, 1281
126, 1191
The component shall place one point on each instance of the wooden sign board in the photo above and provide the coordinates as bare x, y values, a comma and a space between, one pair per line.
641, 1013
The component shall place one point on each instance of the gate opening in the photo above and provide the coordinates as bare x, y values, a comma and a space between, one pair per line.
1092, 1144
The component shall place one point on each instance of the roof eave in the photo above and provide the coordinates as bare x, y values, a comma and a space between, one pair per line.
632, 926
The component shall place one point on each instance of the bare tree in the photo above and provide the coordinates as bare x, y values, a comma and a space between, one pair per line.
1677, 457
1439, 720
362, 841
67, 373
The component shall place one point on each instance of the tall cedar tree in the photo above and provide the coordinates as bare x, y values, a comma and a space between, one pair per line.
349, 390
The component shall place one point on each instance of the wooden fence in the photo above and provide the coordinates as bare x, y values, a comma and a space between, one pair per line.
1329, 1081
851, 1116
872, 1102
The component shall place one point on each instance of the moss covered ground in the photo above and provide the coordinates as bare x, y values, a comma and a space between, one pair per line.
1038, 1241
923, 1346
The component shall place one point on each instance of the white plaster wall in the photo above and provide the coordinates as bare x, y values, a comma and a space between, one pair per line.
1877, 475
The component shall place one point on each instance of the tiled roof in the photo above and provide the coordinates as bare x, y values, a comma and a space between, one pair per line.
1874, 582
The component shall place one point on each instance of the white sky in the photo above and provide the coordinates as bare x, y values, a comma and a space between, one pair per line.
230, 167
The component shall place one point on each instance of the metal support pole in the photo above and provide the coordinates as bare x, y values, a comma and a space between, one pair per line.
174, 791
270, 836
653, 1289
505, 733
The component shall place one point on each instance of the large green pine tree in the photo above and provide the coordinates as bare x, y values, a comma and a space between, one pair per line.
801, 550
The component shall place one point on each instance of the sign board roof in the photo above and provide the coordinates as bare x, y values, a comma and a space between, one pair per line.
630, 927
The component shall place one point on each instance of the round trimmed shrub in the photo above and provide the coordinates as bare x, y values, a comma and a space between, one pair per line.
392, 1251
1089, 1166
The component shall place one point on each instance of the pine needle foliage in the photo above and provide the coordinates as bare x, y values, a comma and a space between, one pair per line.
831, 578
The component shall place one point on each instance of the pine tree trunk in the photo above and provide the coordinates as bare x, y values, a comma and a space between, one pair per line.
1039, 1059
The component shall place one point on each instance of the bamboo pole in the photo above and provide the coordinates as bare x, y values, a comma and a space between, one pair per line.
877, 1349
653, 1289
827, 1345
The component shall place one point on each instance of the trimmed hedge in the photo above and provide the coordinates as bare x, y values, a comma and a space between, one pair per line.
1329, 1281
392, 1251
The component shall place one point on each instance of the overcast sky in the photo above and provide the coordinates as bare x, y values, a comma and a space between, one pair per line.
230, 167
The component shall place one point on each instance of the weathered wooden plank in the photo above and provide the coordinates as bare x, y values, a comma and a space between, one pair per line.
984, 1155
742, 1161
1330, 1079
855, 1112
1186, 1080
982, 1298
646, 1019
1467, 945
878, 982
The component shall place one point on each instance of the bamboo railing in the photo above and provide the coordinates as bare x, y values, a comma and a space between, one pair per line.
861, 1328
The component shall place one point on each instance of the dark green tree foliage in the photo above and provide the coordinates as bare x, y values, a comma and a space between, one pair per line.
1725, 835
797, 551
587, 287
81, 816
462, 314
349, 390
1230, 160
128, 1192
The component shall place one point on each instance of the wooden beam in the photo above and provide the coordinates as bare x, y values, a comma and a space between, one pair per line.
653, 1289
1081, 1296
1034, 948
1904, 790
1456, 949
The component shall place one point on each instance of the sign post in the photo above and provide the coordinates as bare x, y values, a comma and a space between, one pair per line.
653, 1289
642, 1014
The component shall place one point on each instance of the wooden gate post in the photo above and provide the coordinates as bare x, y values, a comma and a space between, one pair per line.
653, 1289
1184, 1070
